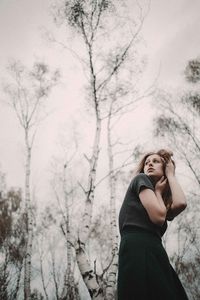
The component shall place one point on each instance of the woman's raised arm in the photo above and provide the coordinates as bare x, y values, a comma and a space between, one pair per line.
178, 196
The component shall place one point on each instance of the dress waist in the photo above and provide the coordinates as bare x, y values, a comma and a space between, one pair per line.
137, 229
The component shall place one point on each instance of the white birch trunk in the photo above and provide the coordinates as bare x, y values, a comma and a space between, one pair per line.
69, 291
86, 220
88, 275
42, 277
87, 272
112, 273
29, 224
30, 89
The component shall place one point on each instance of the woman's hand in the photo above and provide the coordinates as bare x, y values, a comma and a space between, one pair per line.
169, 169
161, 185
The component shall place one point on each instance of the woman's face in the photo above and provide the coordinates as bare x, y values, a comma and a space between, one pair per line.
154, 167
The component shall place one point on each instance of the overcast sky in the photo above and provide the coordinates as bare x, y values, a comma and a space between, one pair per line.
172, 35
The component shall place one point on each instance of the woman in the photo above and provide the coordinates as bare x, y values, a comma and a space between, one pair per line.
153, 197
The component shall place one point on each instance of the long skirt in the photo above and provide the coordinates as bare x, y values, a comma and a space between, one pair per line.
145, 272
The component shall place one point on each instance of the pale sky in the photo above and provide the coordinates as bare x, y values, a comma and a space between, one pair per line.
172, 35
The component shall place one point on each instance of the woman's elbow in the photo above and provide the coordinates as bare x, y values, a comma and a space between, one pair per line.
175, 210
158, 219
183, 206
180, 207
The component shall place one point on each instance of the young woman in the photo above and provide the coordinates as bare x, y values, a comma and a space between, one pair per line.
153, 197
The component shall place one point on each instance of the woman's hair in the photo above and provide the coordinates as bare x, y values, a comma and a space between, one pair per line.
165, 156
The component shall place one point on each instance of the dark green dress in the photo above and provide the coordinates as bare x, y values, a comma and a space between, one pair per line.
144, 272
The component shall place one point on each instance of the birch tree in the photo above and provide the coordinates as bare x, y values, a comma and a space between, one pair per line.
122, 99
27, 92
63, 185
91, 22
70, 291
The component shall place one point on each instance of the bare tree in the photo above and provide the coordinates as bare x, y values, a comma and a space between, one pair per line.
91, 21
63, 185
26, 94
70, 289
12, 242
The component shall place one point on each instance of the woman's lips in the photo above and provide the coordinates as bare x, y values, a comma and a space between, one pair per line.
150, 169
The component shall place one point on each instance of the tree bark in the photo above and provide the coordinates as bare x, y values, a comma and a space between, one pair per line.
111, 277
69, 290
89, 277
29, 223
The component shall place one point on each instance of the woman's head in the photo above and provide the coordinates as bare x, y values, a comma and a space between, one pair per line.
153, 163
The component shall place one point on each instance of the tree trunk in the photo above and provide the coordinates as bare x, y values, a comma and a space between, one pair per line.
29, 224
69, 290
88, 274
18, 281
111, 278
89, 277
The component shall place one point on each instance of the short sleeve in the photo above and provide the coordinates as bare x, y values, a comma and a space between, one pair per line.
140, 182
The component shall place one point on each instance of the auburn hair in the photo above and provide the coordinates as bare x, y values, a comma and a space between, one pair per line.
165, 156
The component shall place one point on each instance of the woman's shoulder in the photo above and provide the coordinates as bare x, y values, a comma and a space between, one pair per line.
140, 180
140, 176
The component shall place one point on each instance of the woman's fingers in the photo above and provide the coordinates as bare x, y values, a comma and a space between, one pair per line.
170, 168
163, 179
164, 182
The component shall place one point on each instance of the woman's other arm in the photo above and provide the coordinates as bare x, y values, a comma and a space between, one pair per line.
178, 196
